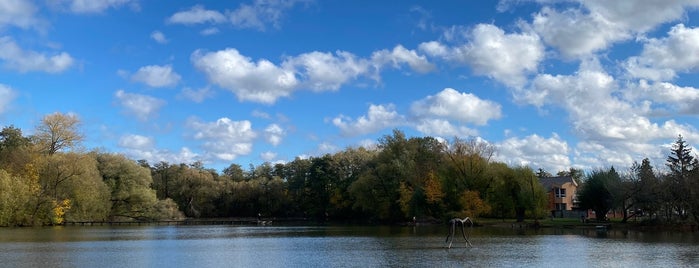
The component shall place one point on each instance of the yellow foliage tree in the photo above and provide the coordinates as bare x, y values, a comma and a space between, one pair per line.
472, 205
59, 209
433, 189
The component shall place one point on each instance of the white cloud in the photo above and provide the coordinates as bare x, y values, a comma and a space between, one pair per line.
325, 71
224, 139
197, 95
143, 147
159, 37
666, 95
260, 81
640, 15
132, 141
443, 128
274, 134
661, 59
268, 156
576, 34
22, 60
261, 13
581, 30
209, 31
19, 13
197, 15
464, 107
156, 76
257, 15
141, 106
507, 58
400, 55
91, 6
378, 117
551, 154
600, 117
7, 95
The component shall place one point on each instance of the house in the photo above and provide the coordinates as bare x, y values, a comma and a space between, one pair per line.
562, 199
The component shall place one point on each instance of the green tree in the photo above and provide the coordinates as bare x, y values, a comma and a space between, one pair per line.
648, 197
682, 165
597, 193
129, 183
15, 151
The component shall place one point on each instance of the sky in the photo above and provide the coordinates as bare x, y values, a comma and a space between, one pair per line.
551, 84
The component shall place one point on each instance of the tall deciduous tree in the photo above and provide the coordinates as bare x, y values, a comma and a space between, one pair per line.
58, 131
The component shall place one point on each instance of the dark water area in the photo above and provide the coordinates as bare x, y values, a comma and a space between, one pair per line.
341, 246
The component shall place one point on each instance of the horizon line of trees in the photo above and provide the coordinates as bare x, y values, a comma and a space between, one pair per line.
45, 181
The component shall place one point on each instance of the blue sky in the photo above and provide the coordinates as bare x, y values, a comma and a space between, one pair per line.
552, 84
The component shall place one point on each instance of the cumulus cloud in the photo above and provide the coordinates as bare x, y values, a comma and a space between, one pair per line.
7, 94
491, 52
91, 6
663, 95
451, 104
159, 37
156, 76
144, 147
18, 13
268, 156
224, 139
325, 71
377, 118
399, 56
551, 154
133, 141
662, 59
197, 14
574, 33
274, 134
589, 26
260, 81
265, 82
141, 106
443, 128
601, 118
641, 15
22, 60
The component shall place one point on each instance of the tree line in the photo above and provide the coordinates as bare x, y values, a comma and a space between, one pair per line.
48, 178
668, 196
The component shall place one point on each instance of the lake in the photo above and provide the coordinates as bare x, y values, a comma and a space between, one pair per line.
340, 246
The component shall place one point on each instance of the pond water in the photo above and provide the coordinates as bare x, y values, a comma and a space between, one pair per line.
340, 246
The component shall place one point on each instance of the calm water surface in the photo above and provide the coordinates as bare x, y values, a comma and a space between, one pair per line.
339, 246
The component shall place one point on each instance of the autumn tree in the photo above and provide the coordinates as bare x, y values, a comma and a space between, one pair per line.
58, 131
466, 166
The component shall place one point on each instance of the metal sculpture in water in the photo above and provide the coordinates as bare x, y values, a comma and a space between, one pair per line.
453, 222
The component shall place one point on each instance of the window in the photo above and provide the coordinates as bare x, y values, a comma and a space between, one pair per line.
560, 192
560, 206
